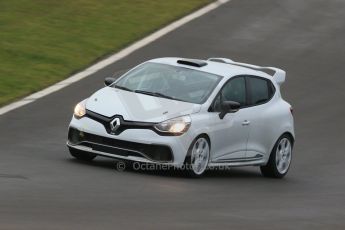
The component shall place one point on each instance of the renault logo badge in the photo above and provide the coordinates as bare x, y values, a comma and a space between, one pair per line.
115, 124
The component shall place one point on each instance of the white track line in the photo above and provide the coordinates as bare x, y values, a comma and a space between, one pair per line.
113, 58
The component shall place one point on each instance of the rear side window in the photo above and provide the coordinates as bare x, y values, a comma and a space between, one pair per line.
260, 90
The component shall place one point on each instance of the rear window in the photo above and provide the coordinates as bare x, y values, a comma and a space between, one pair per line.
260, 90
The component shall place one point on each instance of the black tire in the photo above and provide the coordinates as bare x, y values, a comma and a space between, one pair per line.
188, 161
81, 155
270, 169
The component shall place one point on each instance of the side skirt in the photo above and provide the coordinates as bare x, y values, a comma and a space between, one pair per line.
255, 161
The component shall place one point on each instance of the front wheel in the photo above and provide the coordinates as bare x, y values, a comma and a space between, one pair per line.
280, 159
81, 155
198, 157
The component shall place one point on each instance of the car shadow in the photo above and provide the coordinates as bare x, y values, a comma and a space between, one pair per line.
234, 172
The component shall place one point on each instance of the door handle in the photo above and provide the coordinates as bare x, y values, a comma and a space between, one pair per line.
245, 122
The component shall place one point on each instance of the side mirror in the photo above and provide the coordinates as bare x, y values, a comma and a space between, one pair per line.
228, 107
109, 80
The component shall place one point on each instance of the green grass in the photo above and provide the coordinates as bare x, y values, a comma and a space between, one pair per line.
44, 41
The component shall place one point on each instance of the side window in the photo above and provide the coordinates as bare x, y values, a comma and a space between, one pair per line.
260, 90
233, 90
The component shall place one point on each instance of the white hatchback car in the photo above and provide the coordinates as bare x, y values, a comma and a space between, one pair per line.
188, 113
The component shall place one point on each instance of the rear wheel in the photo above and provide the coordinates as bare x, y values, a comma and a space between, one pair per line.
198, 157
81, 155
280, 159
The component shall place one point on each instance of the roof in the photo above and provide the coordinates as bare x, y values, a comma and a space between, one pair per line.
218, 68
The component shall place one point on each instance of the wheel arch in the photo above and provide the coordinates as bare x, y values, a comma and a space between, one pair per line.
290, 135
194, 139
206, 136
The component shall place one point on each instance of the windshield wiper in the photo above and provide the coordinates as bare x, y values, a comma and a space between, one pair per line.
156, 94
122, 87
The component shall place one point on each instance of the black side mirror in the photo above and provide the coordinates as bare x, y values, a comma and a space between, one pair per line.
109, 80
228, 107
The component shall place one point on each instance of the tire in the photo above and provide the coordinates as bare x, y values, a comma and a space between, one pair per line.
280, 159
81, 155
198, 156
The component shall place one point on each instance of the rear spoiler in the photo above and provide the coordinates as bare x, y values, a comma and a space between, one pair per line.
279, 74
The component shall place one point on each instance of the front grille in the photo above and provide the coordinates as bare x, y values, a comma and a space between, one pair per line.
159, 153
105, 121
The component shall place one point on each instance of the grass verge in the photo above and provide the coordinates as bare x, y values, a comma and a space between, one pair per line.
43, 42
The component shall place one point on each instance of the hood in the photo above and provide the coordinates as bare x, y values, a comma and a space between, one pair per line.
137, 107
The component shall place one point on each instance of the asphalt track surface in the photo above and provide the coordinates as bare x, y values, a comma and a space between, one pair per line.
42, 187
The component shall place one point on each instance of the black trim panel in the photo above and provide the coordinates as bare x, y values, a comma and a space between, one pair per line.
152, 152
192, 62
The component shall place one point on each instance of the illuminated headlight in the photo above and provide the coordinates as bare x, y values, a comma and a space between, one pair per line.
80, 109
175, 126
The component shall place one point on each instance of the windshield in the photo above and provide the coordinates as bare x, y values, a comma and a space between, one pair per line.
170, 82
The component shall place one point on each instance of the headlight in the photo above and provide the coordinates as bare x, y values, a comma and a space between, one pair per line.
175, 126
80, 110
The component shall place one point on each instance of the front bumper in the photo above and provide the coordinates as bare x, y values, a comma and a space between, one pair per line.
141, 145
